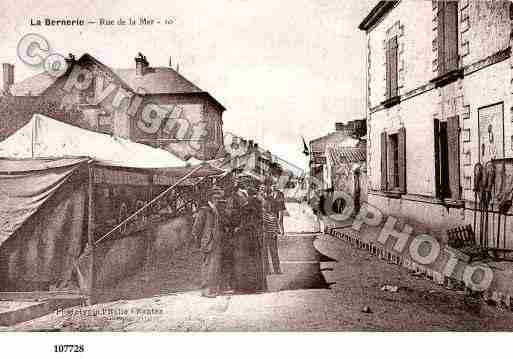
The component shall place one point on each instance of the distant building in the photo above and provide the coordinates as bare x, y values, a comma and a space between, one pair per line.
349, 133
247, 154
152, 105
346, 167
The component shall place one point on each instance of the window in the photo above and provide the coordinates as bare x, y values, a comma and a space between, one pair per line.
393, 161
447, 29
391, 68
447, 160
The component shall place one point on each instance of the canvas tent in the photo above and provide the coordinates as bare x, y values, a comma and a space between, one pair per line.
55, 180
44, 137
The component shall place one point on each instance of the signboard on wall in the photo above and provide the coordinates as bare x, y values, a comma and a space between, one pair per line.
491, 132
120, 177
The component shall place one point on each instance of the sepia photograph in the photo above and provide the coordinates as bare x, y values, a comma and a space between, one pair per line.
241, 166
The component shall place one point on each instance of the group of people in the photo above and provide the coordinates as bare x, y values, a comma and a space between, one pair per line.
237, 231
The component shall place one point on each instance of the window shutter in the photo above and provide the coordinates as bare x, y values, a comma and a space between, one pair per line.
388, 72
393, 66
438, 192
401, 142
384, 166
451, 36
391, 182
453, 144
440, 36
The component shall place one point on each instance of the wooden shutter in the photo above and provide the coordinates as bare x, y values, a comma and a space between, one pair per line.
401, 142
440, 37
388, 72
384, 166
453, 144
436, 124
391, 146
393, 66
451, 35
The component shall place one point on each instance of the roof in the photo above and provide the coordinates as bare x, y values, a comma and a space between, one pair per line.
343, 155
44, 137
376, 14
33, 86
161, 81
155, 81
320, 144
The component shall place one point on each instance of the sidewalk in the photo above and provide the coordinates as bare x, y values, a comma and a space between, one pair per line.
500, 292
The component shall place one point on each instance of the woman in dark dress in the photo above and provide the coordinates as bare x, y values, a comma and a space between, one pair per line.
249, 266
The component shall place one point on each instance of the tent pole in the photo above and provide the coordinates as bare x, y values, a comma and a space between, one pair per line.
32, 138
90, 232
147, 205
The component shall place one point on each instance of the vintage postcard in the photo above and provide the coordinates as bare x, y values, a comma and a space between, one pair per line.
245, 166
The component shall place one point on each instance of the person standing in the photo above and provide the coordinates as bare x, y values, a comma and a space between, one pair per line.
279, 207
207, 233
231, 209
249, 266
271, 231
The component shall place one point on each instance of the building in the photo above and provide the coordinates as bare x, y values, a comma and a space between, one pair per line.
347, 169
439, 85
151, 105
260, 162
347, 135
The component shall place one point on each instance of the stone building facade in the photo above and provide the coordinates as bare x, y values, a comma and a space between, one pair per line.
247, 155
439, 100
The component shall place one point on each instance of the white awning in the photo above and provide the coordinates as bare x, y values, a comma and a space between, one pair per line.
44, 137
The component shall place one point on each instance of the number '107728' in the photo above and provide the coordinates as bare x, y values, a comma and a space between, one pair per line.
68, 348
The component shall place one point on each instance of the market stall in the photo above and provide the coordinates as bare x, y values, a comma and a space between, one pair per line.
79, 209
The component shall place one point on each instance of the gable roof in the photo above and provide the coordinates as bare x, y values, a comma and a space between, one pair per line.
155, 81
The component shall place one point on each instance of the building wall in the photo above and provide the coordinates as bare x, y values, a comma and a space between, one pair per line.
186, 111
411, 21
485, 30
414, 116
478, 18
486, 87
109, 116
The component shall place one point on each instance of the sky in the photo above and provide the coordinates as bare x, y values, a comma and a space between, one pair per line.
283, 69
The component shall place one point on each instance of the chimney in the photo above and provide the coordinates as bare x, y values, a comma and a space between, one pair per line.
70, 60
8, 76
141, 64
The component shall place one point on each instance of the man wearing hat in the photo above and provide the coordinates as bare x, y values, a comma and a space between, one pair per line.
208, 233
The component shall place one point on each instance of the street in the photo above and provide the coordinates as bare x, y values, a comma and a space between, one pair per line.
354, 300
